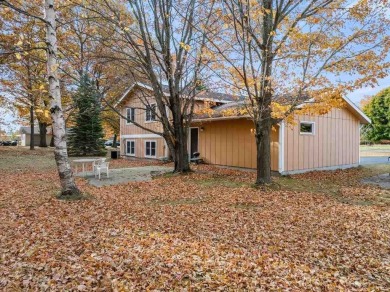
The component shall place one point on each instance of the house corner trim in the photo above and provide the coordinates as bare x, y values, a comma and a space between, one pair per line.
281, 146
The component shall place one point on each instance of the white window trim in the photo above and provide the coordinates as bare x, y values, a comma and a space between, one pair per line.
307, 122
151, 121
129, 123
130, 140
150, 156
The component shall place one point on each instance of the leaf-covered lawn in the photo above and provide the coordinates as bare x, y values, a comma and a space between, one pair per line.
208, 230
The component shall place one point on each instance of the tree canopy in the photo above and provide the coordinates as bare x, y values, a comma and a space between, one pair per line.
378, 110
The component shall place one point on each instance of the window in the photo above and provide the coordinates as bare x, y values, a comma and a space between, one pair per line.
306, 128
150, 148
130, 147
130, 115
151, 112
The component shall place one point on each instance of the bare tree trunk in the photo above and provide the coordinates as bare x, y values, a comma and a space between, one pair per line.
181, 160
263, 120
263, 144
32, 128
114, 142
180, 151
52, 138
42, 134
68, 185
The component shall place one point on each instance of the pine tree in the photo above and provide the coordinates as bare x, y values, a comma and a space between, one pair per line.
86, 136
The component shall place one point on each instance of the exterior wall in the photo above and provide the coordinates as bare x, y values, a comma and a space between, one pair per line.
140, 147
134, 101
232, 143
335, 143
25, 139
129, 131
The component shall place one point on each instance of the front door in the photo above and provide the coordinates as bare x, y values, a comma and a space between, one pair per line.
194, 141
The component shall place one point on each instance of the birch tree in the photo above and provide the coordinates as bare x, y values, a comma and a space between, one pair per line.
68, 184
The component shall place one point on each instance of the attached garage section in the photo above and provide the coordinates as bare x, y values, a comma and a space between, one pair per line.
231, 142
333, 142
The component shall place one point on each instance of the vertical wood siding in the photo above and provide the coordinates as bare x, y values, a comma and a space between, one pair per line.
133, 100
335, 142
232, 143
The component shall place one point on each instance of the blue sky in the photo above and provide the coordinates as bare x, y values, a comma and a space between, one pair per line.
357, 95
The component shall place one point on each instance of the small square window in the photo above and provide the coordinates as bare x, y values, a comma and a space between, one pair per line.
306, 128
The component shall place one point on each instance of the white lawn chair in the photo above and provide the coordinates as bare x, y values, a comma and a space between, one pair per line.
99, 160
101, 165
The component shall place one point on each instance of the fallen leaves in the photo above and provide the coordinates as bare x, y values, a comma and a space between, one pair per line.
186, 232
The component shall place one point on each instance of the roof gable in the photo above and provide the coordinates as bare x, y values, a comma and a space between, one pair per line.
218, 97
363, 118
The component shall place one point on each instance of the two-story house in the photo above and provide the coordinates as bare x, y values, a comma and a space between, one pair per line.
319, 142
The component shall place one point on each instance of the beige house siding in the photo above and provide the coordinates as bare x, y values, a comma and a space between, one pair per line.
232, 143
335, 142
134, 101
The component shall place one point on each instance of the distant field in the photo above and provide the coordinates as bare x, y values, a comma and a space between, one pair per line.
375, 150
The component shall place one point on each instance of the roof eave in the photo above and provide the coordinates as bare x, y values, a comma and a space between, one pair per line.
362, 116
127, 92
211, 119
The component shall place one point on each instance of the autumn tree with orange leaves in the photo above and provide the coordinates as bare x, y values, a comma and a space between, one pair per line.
158, 42
68, 185
282, 54
23, 81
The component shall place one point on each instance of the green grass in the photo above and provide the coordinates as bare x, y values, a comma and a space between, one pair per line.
13, 159
371, 170
375, 148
